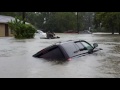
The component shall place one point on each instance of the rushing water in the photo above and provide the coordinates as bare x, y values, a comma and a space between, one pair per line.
16, 59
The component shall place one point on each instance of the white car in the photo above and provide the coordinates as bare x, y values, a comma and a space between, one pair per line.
42, 34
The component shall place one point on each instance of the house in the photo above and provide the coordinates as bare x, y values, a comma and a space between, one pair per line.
4, 29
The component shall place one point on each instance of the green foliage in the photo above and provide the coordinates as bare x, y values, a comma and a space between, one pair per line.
99, 30
109, 20
56, 21
20, 30
63, 21
60, 22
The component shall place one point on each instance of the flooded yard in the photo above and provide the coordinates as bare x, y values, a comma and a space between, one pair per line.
16, 59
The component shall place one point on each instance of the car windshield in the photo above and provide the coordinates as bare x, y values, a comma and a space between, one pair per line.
87, 45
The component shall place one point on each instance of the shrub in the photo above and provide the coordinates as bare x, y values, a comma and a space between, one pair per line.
22, 31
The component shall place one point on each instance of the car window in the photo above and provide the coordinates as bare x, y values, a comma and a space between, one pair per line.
70, 48
81, 47
54, 53
87, 45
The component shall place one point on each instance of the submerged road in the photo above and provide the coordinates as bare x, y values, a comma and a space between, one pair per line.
16, 59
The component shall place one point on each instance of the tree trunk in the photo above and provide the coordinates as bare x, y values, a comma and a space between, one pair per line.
112, 31
23, 17
77, 22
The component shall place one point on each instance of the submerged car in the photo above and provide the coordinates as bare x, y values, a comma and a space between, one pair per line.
67, 50
42, 34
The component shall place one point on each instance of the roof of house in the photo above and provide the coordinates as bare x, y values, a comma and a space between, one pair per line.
6, 19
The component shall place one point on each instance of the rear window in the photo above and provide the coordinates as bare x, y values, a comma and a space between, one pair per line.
53, 53
79, 45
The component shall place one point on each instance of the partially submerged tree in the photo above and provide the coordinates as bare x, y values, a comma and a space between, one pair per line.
21, 30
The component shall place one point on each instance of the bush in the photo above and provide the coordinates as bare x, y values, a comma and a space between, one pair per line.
22, 31
99, 30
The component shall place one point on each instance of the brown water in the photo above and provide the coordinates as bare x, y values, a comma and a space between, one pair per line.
16, 59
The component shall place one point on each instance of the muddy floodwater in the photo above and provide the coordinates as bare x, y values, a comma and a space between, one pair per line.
16, 59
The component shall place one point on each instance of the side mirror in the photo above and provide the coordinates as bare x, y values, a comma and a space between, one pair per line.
95, 45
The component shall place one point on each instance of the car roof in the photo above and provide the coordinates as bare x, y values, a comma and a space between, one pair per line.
69, 41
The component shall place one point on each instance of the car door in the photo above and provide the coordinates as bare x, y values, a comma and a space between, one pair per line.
84, 48
86, 45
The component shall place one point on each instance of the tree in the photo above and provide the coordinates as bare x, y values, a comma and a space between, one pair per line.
57, 21
23, 17
21, 30
109, 20
60, 21
88, 20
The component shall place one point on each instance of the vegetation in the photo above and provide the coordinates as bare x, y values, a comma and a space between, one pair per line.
63, 21
21, 30
109, 20
56, 21
60, 22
